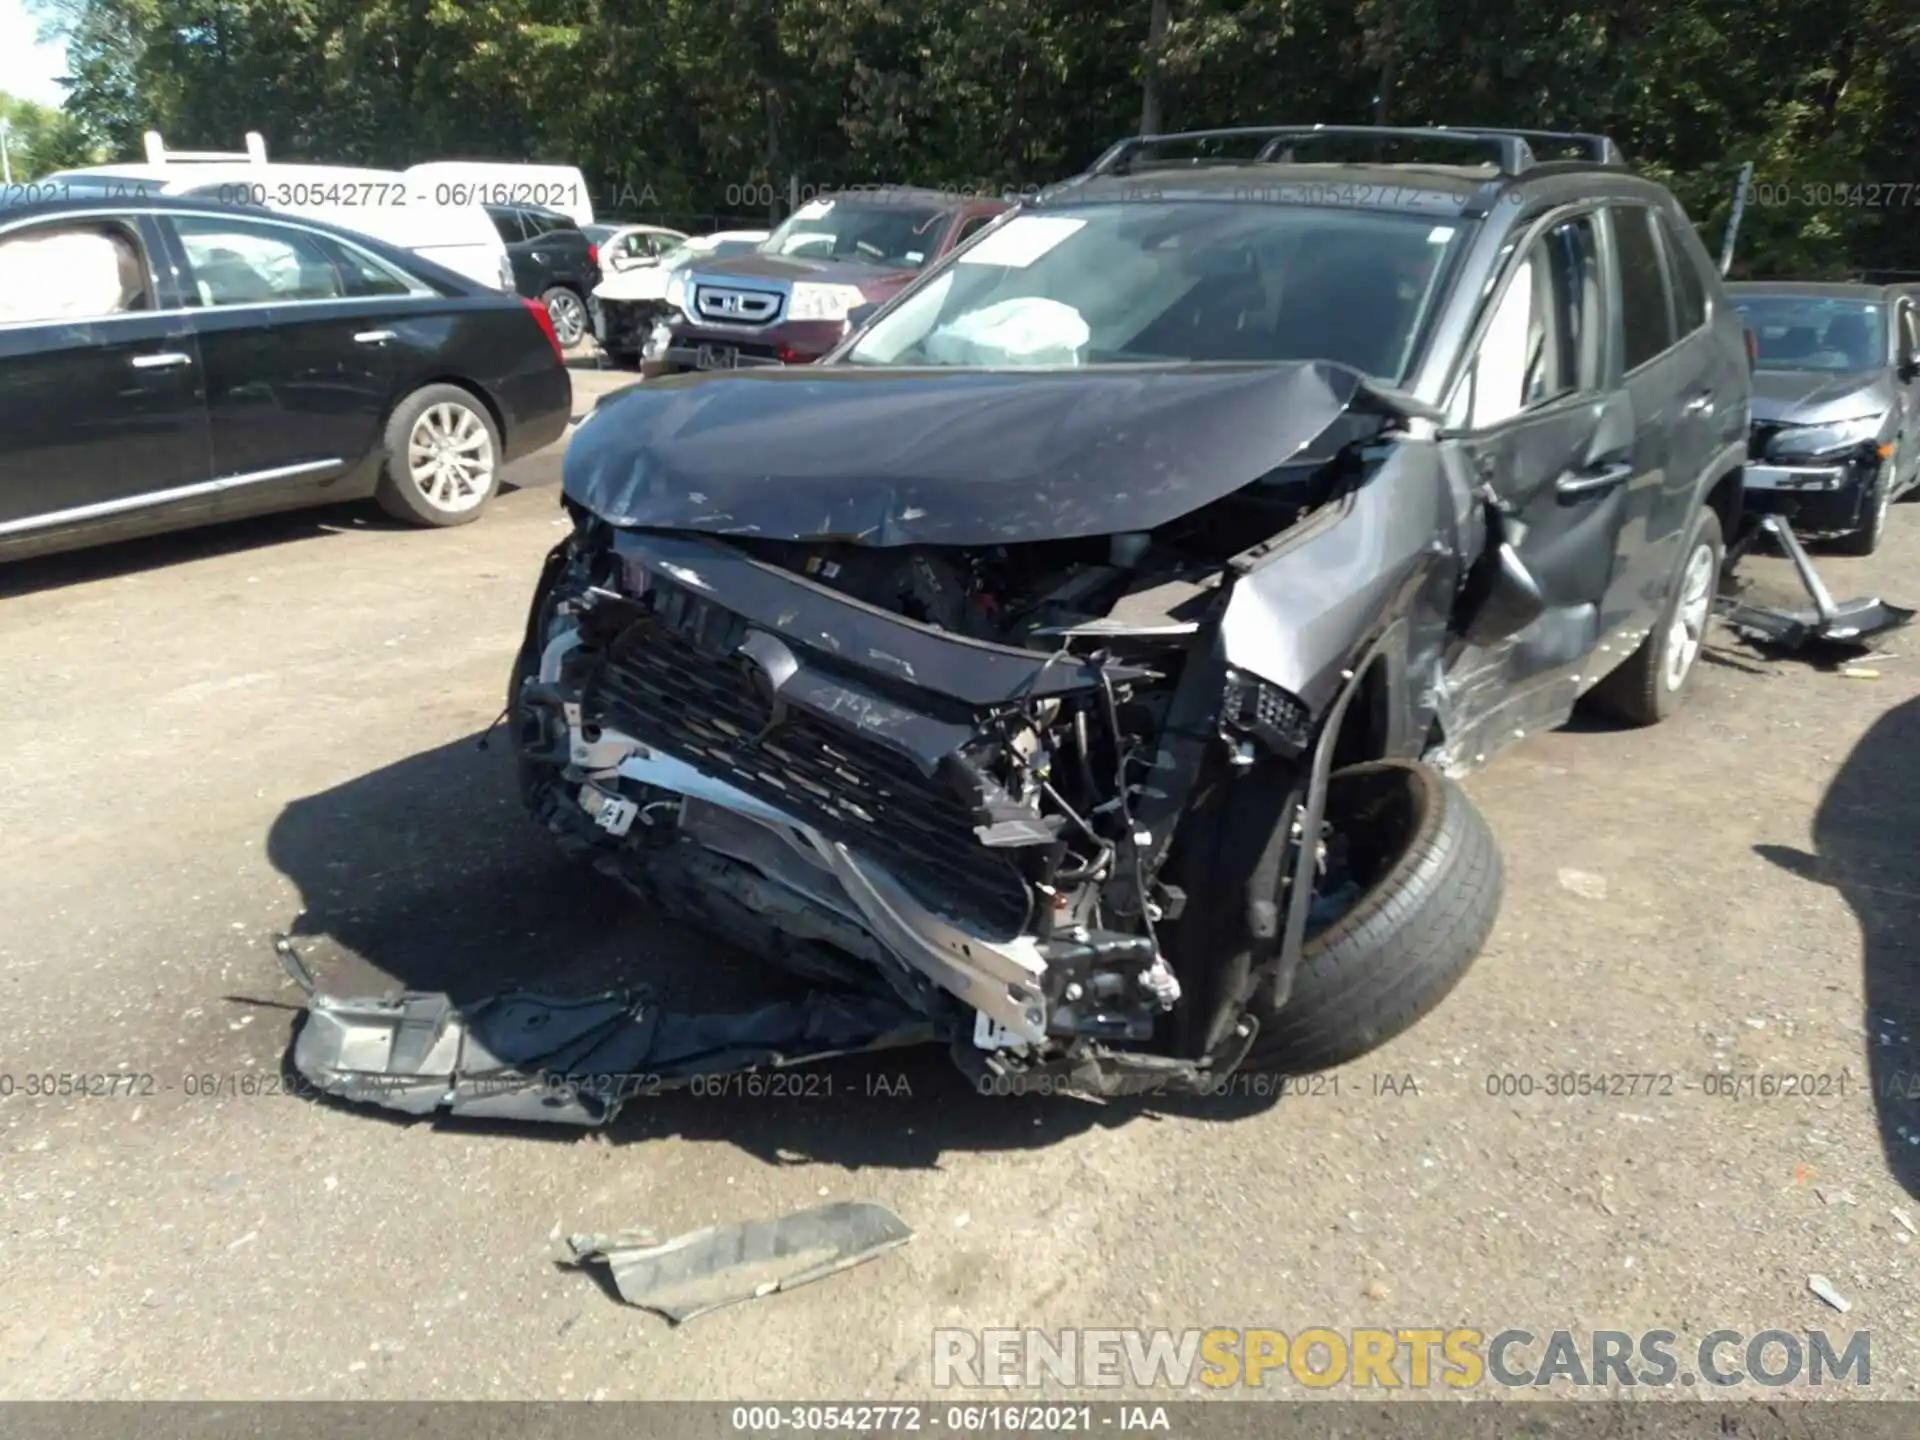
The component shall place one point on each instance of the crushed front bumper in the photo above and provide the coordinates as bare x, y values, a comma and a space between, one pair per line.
622, 326
1818, 499
739, 768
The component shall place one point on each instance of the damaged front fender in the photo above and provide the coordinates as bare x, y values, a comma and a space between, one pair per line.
1303, 606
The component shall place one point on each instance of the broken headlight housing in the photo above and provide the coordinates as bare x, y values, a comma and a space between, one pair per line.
1251, 708
1823, 442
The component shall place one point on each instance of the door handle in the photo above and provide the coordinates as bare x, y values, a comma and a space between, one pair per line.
165, 360
1592, 481
1698, 405
373, 337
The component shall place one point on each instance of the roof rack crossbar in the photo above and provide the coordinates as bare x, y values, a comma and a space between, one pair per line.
1513, 149
158, 154
1511, 152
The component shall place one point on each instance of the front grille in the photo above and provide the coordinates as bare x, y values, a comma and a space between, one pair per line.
725, 305
699, 703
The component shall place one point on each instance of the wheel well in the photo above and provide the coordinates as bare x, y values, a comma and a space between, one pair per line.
1724, 499
486, 400
1365, 730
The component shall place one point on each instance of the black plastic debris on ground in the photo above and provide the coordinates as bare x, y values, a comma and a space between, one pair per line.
725, 1264
521, 1056
1845, 627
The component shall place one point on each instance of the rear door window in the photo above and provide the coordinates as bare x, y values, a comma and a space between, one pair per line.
70, 272
507, 222
1646, 320
368, 276
1689, 290
252, 262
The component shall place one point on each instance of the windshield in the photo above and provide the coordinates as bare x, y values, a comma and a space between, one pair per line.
901, 236
1178, 281
1816, 332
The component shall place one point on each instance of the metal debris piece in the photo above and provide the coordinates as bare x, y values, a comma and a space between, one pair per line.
724, 1264
1859, 672
1823, 1287
1906, 1220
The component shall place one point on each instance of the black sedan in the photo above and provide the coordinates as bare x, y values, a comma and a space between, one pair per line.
167, 363
1836, 405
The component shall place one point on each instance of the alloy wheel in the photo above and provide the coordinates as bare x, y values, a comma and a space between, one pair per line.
1689, 628
569, 318
450, 457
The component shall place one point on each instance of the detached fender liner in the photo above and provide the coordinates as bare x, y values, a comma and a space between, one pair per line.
521, 1056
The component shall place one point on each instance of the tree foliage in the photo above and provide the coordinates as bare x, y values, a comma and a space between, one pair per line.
694, 107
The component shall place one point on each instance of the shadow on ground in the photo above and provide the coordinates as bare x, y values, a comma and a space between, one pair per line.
1867, 832
181, 547
425, 875
118, 558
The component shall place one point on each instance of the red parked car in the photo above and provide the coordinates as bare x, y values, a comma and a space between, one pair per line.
787, 302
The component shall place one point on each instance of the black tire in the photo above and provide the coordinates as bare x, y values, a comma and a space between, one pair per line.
405, 496
1642, 689
1433, 891
1867, 538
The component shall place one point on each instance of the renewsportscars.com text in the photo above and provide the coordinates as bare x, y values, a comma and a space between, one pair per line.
1416, 1358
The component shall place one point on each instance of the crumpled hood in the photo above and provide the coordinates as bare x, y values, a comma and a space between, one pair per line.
642, 282
757, 265
949, 457
1817, 397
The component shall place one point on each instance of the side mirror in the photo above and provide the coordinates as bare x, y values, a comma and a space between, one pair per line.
1908, 367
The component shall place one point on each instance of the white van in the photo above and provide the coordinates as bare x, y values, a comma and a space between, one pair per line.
385, 204
497, 182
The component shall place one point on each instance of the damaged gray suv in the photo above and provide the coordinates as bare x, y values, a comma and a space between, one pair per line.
1074, 666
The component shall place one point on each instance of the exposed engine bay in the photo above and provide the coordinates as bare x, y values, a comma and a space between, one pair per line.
1007, 770
1002, 846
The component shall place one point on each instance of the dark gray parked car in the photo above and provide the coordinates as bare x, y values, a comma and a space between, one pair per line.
1073, 665
1836, 405
553, 261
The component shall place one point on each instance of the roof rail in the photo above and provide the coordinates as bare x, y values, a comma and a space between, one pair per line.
158, 154
1595, 149
1512, 150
